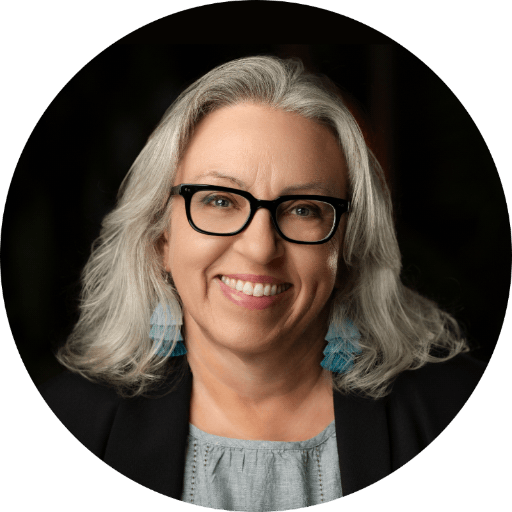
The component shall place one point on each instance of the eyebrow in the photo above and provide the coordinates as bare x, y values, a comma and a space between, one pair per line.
315, 185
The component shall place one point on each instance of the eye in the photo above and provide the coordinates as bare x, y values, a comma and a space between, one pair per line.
217, 201
302, 211
305, 210
221, 202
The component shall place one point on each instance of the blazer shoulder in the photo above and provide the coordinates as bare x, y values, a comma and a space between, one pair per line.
423, 402
447, 383
85, 408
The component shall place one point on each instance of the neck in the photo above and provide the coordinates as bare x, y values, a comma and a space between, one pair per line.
278, 394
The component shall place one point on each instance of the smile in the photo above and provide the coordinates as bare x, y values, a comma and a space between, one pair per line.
255, 289
251, 291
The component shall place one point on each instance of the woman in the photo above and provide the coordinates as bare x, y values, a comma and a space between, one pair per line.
245, 338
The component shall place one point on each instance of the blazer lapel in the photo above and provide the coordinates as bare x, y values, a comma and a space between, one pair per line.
363, 441
148, 439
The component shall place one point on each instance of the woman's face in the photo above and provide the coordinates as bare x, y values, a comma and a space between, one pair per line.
268, 153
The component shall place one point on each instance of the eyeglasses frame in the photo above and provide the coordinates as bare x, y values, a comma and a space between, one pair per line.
186, 190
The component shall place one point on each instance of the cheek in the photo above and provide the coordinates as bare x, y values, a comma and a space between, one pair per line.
193, 255
317, 268
190, 254
182, 248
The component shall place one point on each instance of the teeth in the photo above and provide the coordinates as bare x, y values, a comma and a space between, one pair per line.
255, 289
258, 290
248, 288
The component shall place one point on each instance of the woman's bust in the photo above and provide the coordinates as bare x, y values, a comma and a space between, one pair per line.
247, 288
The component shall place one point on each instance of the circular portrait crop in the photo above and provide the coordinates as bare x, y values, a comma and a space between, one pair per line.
255, 277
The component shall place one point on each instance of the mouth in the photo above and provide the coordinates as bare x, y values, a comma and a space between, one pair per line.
261, 292
258, 286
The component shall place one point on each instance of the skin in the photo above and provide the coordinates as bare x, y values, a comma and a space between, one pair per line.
257, 373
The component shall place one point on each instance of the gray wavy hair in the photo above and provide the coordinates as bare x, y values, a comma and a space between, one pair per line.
124, 278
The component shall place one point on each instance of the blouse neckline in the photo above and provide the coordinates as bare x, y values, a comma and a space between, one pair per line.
249, 444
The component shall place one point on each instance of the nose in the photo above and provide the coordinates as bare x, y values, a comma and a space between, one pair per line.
259, 241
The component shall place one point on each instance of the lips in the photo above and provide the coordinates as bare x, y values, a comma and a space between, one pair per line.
252, 291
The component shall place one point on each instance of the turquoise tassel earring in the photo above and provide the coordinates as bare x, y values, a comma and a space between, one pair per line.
163, 330
342, 347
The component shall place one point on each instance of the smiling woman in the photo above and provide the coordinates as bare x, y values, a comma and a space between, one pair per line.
270, 153
243, 307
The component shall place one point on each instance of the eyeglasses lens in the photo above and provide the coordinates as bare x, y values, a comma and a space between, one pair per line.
303, 220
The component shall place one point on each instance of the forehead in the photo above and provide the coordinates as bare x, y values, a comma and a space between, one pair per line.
263, 149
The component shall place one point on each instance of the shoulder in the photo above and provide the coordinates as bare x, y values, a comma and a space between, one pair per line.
95, 413
85, 408
70, 393
423, 402
445, 384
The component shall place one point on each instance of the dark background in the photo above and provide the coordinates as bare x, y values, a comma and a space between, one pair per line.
451, 214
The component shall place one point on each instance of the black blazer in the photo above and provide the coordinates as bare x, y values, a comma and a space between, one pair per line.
144, 438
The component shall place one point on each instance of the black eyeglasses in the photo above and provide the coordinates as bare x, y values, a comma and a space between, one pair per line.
224, 211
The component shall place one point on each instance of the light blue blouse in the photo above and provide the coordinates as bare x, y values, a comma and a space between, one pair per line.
259, 476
